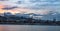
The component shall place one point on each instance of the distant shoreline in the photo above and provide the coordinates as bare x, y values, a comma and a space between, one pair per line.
30, 24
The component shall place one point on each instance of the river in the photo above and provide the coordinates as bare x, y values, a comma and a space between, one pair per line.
29, 28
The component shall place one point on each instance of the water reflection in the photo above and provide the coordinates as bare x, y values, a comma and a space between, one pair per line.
28, 28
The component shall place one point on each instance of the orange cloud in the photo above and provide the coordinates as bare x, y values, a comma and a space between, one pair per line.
2, 11
22, 10
1, 6
18, 10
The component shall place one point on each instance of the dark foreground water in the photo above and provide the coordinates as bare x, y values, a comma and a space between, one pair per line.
28, 28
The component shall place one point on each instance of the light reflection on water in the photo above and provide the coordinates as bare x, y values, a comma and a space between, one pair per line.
28, 28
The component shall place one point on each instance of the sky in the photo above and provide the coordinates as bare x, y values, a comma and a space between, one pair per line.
50, 8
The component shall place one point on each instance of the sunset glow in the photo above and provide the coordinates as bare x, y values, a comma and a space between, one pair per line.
41, 7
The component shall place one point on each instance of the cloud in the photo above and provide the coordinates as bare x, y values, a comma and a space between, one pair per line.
32, 4
9, 8
1, 6
28, 11
3, 0
19, 2
42, 7
49, 5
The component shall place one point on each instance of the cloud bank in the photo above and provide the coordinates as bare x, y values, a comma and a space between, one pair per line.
42, 7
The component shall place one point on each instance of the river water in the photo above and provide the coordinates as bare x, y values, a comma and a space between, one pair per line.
29, 28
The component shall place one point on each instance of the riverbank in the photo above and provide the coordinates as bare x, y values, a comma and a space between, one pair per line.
33, 24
